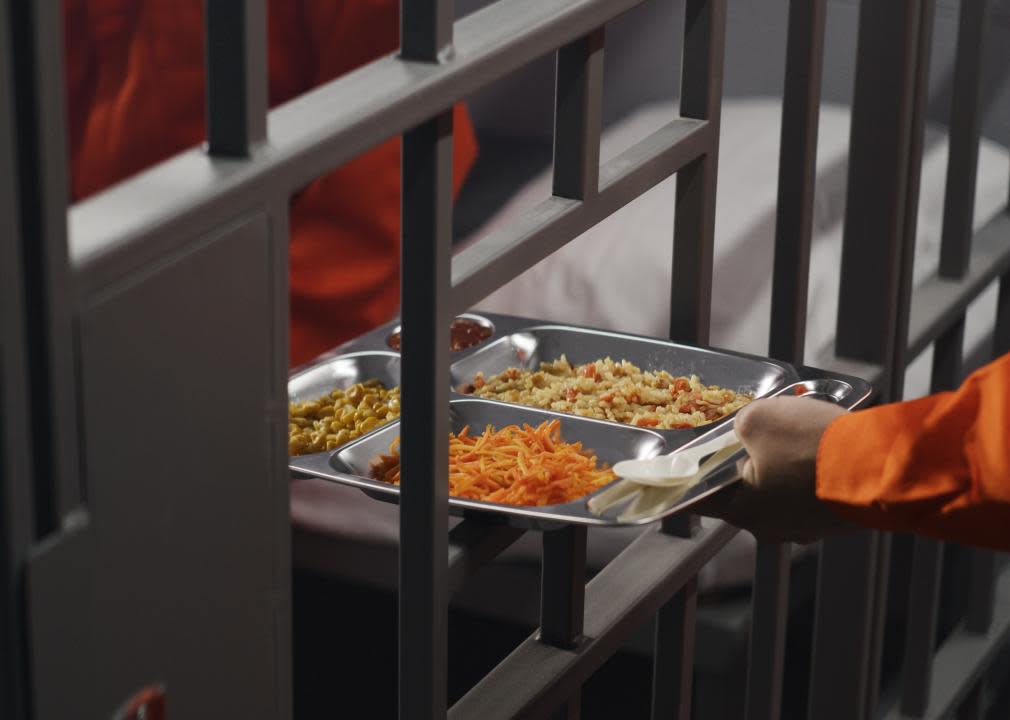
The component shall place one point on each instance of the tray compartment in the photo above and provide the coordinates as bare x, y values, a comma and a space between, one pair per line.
527, 348
478, 319
342, 371
610, 444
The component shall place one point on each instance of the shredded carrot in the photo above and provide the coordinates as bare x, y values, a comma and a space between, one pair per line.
514, 465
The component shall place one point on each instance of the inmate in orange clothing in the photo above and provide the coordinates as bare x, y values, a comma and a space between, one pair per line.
937, 466
135, 96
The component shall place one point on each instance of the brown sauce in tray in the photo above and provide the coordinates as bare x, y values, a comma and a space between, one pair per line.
463, 333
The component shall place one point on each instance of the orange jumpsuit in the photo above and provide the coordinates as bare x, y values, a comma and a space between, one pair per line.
937, 466
135, 96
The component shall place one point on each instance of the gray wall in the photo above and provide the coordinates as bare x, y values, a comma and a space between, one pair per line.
643, 64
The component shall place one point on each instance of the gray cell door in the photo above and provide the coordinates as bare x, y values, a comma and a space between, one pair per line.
144, 531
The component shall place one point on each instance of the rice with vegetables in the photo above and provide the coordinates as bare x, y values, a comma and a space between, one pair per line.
615, 391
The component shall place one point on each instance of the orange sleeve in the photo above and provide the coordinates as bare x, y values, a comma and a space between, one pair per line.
937, 466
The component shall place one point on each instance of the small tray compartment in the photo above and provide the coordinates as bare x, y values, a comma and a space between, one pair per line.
393, 338
343, 371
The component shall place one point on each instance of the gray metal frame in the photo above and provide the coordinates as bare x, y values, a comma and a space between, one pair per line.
105, 281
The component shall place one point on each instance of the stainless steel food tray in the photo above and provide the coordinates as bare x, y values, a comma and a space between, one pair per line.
521, 342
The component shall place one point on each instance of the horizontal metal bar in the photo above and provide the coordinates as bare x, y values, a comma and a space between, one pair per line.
870, 372
126, 226
492, 261
473, 544
964, 657
939, 302
536, 678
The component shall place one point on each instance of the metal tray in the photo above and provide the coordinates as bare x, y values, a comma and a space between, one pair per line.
522, 342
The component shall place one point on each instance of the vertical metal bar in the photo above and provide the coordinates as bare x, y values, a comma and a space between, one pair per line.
674, 655
16, 502
981, 591
562, 595
948, 358
236, 39
578, 98
920, 626
282, 558
42, 177
878, 618
874, 299
690, 312
965, 127
916, 131
843, 626
766, 653
973, 705
424, 420
794, 218
673, 642
877, 202
1001, 334
563, 586
797, 177
927, 559
426, 29
694, 224
426, 229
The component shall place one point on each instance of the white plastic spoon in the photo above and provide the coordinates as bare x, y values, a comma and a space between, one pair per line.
674, 468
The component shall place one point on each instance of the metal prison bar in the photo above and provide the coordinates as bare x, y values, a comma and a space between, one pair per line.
201, 218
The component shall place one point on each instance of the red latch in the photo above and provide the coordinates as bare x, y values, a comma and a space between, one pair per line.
147, 704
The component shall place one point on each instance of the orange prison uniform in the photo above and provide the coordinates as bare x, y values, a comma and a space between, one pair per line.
135, 96
938, 466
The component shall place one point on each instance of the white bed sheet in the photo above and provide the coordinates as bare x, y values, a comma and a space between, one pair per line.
617, 276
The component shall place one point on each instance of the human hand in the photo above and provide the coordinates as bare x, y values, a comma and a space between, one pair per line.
776, 499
